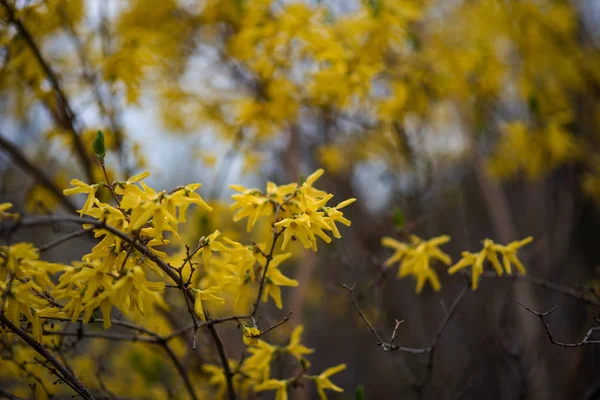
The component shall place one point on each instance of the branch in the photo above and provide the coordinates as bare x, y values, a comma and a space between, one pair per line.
68, 375
180, 370
439, 333
283, 321
269, 258
390, 346
8, 395
69, 119
63, 239
19, 158
586, 339
567, 291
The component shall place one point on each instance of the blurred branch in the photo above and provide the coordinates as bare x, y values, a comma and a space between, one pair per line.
92, 78
19, 158
66, 374
64, 239
8, 395
69, 115
567, 291
586, 339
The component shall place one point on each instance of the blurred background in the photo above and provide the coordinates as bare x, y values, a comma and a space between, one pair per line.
475, 119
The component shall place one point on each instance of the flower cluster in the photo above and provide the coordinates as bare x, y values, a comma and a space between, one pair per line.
129, 269
257, 367
415, 258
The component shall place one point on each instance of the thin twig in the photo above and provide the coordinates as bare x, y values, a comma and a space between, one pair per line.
585, 341
438, 335
567, 291
283, 321
181, 371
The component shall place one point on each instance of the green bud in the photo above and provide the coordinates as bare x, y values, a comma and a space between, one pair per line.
375, 7
99, 147
304, 362
398, 218
359, 394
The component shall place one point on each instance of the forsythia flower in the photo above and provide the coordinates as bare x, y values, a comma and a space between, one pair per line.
415, 259
250, 335
301, 211
322, 381
295, 348
4, 214
280, 387
490, 252
208, 295
81, 187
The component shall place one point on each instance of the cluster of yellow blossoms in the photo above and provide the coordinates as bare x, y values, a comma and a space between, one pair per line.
128, 267
416, 257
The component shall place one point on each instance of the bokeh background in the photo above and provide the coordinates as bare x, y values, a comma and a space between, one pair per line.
476, 119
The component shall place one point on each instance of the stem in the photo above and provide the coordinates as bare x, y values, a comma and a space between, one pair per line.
109, 185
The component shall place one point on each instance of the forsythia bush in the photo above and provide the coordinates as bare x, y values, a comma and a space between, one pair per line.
127, 271
348, 86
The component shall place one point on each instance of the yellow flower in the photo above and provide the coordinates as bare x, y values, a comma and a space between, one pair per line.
322, 381
82, 187
415, 259
4, 214
295, 348
489, 252
250, 335
260, 359
251, 204
280, 388
208, 295
509, 255
275, 279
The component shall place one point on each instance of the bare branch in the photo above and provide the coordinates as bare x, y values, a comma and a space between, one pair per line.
283, 321
585, 341
567, 291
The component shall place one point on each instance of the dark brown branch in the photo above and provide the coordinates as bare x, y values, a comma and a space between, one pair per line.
180, 370
585, 341
565, 290
68, 375
108, 336
19, 158
438, 335
64, 239
283, 321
